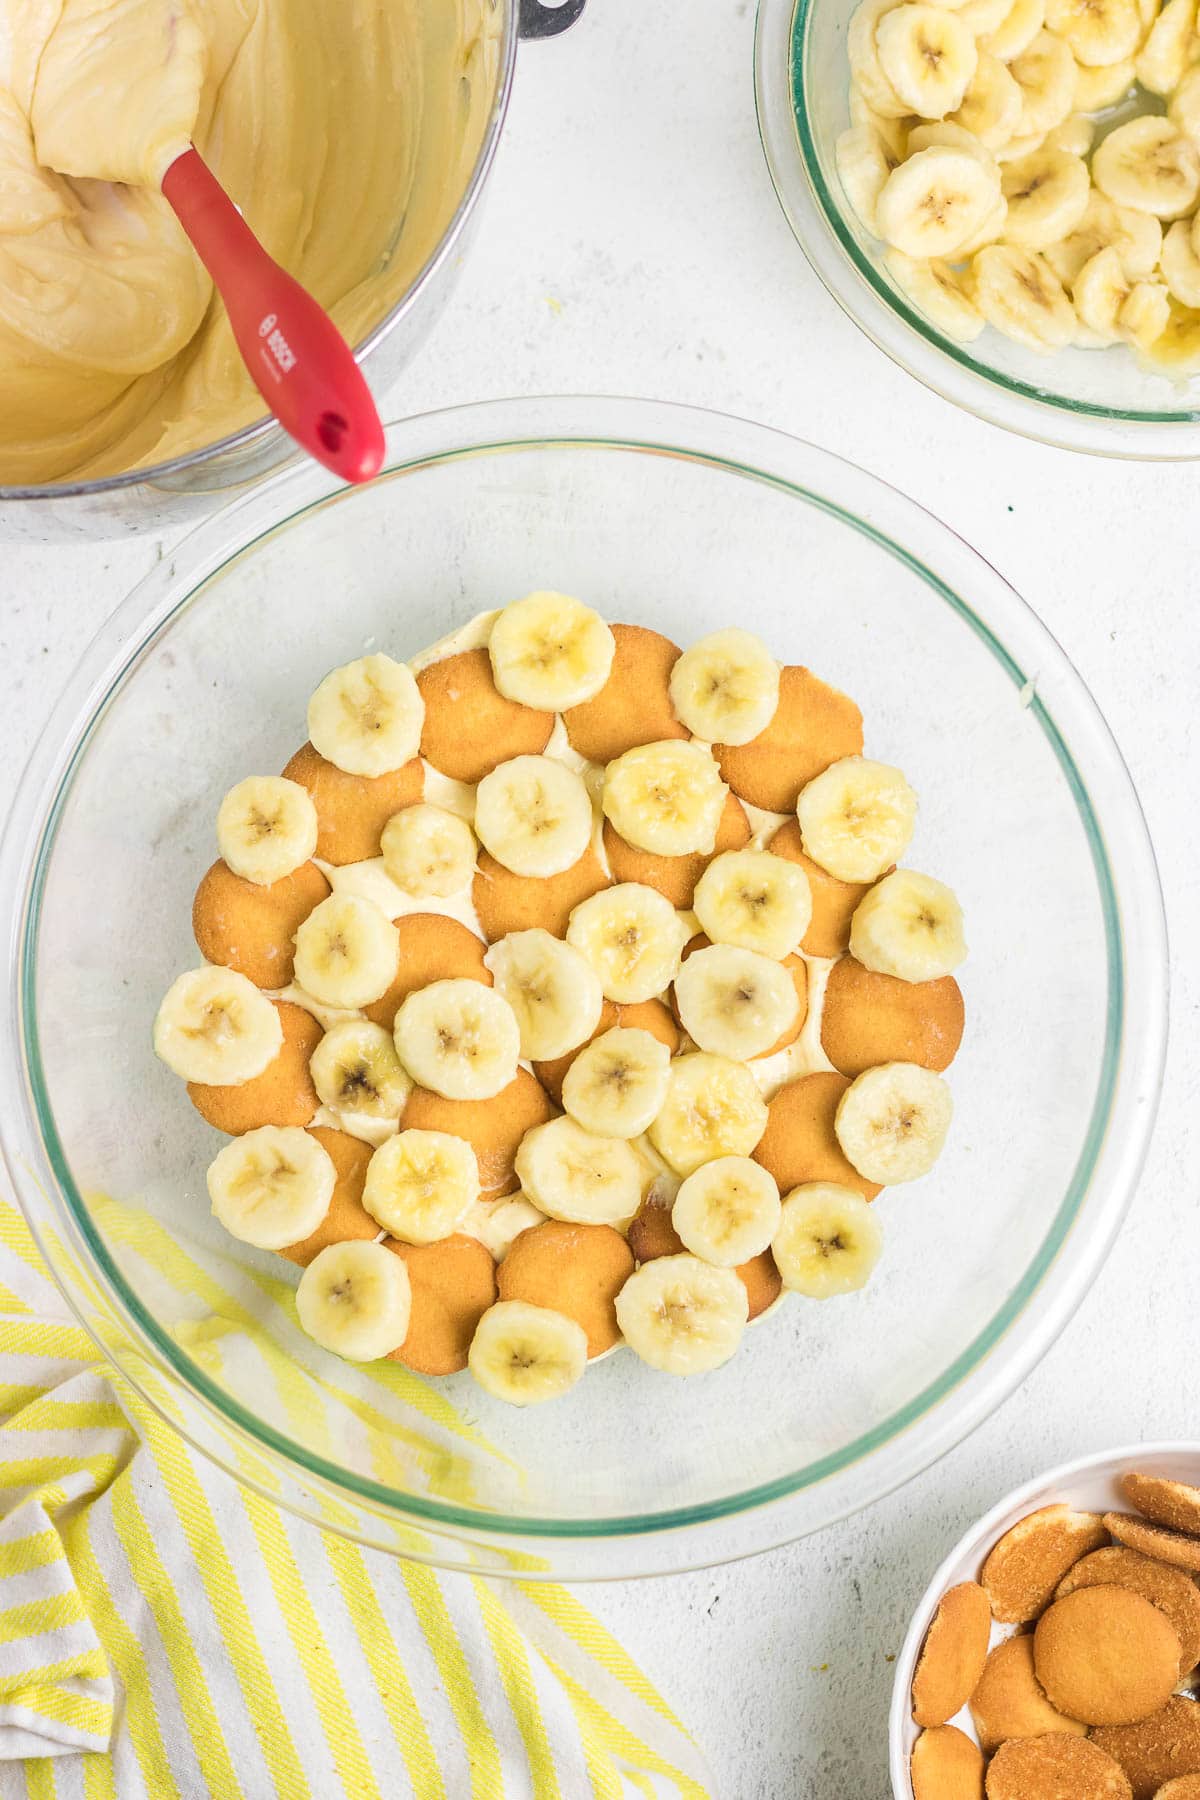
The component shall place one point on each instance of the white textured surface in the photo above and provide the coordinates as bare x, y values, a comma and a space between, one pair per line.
632, 244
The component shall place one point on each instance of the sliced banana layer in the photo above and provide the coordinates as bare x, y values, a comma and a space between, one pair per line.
910, 926
666, 797
754, 900
632, 937
533, 815
1180, 264
857, 818
459, 1039
892, 1122
421, 1185
681, 1315
1046, 73
428, 851
526, 1354
617, 1084
727, 1211
550, 651
827, 1242
1018, 26
936, 201
928, 56
347, 951
725, 689
579, 1176
865, 68
1149, 165
366, 717
214, 1026
355, 1069
271, 1187
1164, 57
735, 1002
713, 1108
552, 989
355, 1299
266, 828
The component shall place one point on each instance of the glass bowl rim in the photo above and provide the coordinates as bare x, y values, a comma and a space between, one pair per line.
499, 427
950, 370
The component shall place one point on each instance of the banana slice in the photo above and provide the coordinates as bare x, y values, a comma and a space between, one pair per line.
266, 828
354, 1299
991, 107
1099, 32
1045, 71
459, 1039
727, 1211
827, 1242
355, 1068
755, 900
864, 163
953, 135
533, 815
667, 797
909, 926
990, 232
681, 1315
862, 53
552, 989
725, 689
858, 816
366, 717
579, 1176
735, 1002
927, 56
550, 651
271, 1187
1098, 89
617, 1084
1180, 264
936, 200
632, 937
1019, 26
214, 1026
1047, 195
1183, 108
428, 851
1145, 314
936, 290
1136, 236
892, 1121
347, 951
1074, 135
526, 1354
421, 1185
1112, 307
1147, 164
1163, 59
713, 1108
1018, 292
1017, 149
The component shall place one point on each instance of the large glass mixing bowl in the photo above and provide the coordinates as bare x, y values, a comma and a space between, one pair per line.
1102, 401
685, 521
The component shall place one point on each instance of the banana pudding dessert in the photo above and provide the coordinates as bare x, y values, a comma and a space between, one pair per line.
566, 990
1014, 158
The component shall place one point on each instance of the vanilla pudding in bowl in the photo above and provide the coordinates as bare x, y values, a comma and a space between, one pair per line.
678, 522
353, 137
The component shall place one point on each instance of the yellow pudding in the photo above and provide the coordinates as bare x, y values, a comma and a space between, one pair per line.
345, 130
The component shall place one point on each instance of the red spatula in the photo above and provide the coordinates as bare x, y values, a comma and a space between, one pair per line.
298, 359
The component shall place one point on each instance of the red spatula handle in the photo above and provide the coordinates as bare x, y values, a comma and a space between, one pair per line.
300, 362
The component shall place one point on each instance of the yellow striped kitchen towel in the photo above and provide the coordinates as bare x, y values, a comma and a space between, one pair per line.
166, 1634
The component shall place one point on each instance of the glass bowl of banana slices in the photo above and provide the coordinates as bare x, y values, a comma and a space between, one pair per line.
491, 1053
1003, 194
